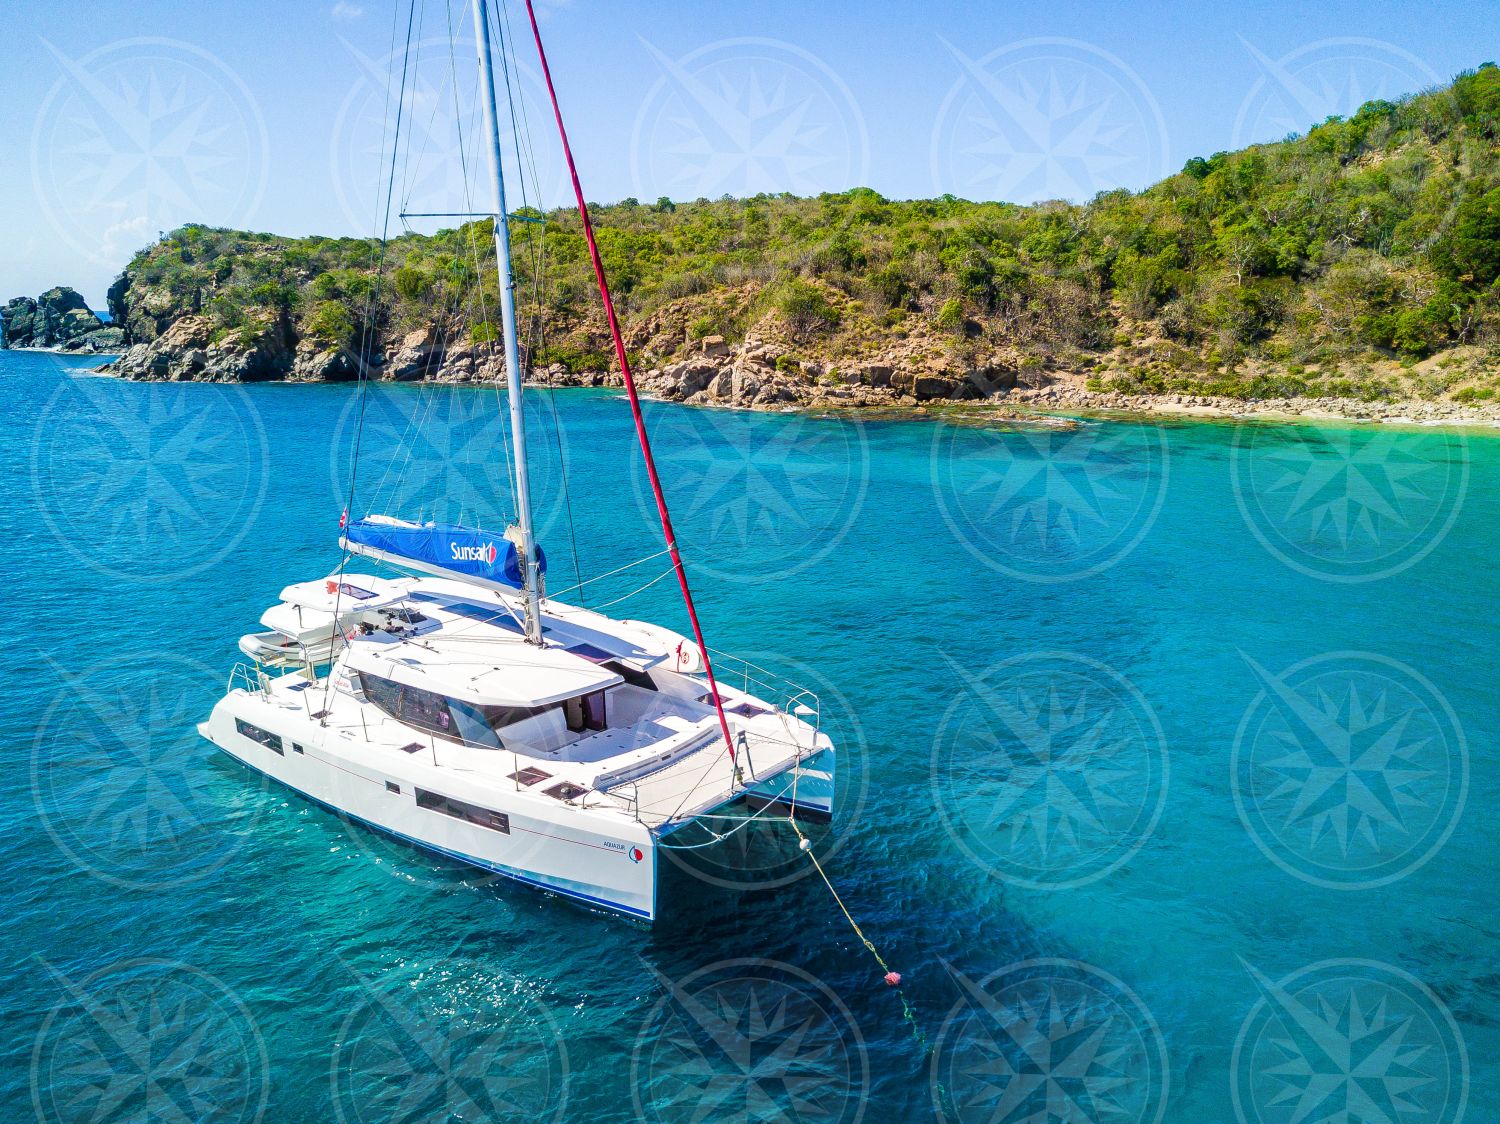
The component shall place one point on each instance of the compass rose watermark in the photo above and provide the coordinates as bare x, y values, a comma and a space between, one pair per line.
149, 1040
1349, 770
767, 495
140, 136
1049, 1039
117, 774
1328, 78
749, 1040
747, 116
1348, 1040
1049, 770
1046, 505
440, 165
149, 483
1345, 504
445, 1040
443, 452
1046, 119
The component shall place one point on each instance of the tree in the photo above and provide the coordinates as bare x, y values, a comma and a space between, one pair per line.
1471, 251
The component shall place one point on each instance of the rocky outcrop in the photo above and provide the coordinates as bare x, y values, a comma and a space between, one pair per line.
418, 355
59, 318
115, 302
18, 322
190, 349
107, 339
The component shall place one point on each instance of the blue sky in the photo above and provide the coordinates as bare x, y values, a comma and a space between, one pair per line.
128, 118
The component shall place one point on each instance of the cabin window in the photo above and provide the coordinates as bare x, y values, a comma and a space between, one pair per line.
585, 712
425, 711
471, 725
462, 810
382, 692
264, 737
466, 723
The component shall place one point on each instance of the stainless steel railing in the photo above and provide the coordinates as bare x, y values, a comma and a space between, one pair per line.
791, 698
250, 681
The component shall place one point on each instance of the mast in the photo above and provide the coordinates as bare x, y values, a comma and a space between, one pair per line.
527, 546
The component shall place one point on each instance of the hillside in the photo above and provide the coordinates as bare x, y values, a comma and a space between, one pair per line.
1361, 260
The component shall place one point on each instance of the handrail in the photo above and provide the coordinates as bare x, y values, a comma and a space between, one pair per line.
256, 684
784, 694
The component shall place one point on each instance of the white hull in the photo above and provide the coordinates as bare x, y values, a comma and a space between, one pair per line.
580, 810
549, 845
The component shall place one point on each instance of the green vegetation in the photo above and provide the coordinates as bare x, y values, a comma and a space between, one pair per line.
1367, 242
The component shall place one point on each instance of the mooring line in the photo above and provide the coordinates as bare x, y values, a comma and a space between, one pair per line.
892, 977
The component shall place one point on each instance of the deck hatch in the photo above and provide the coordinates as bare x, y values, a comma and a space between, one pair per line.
565, 790
530, 775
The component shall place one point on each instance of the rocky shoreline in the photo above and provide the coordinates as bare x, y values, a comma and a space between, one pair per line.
753, 376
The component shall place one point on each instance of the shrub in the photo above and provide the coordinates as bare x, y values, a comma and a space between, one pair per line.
806, 310
411, 284
950, 317
330, 323
575, 359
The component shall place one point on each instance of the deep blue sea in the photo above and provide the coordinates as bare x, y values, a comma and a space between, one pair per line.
1168, 785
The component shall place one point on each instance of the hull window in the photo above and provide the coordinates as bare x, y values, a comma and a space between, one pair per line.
461, 810
262, 737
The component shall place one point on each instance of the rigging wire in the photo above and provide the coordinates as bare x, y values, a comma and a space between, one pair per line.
478, 260
612, 573
667, 573
367, 335
805, 844
399, 467
537, 240
635, 406
891, 977
464, 293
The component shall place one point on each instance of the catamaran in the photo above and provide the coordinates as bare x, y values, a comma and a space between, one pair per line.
459, 708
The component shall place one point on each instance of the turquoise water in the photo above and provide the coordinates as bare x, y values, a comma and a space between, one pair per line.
1168, 787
